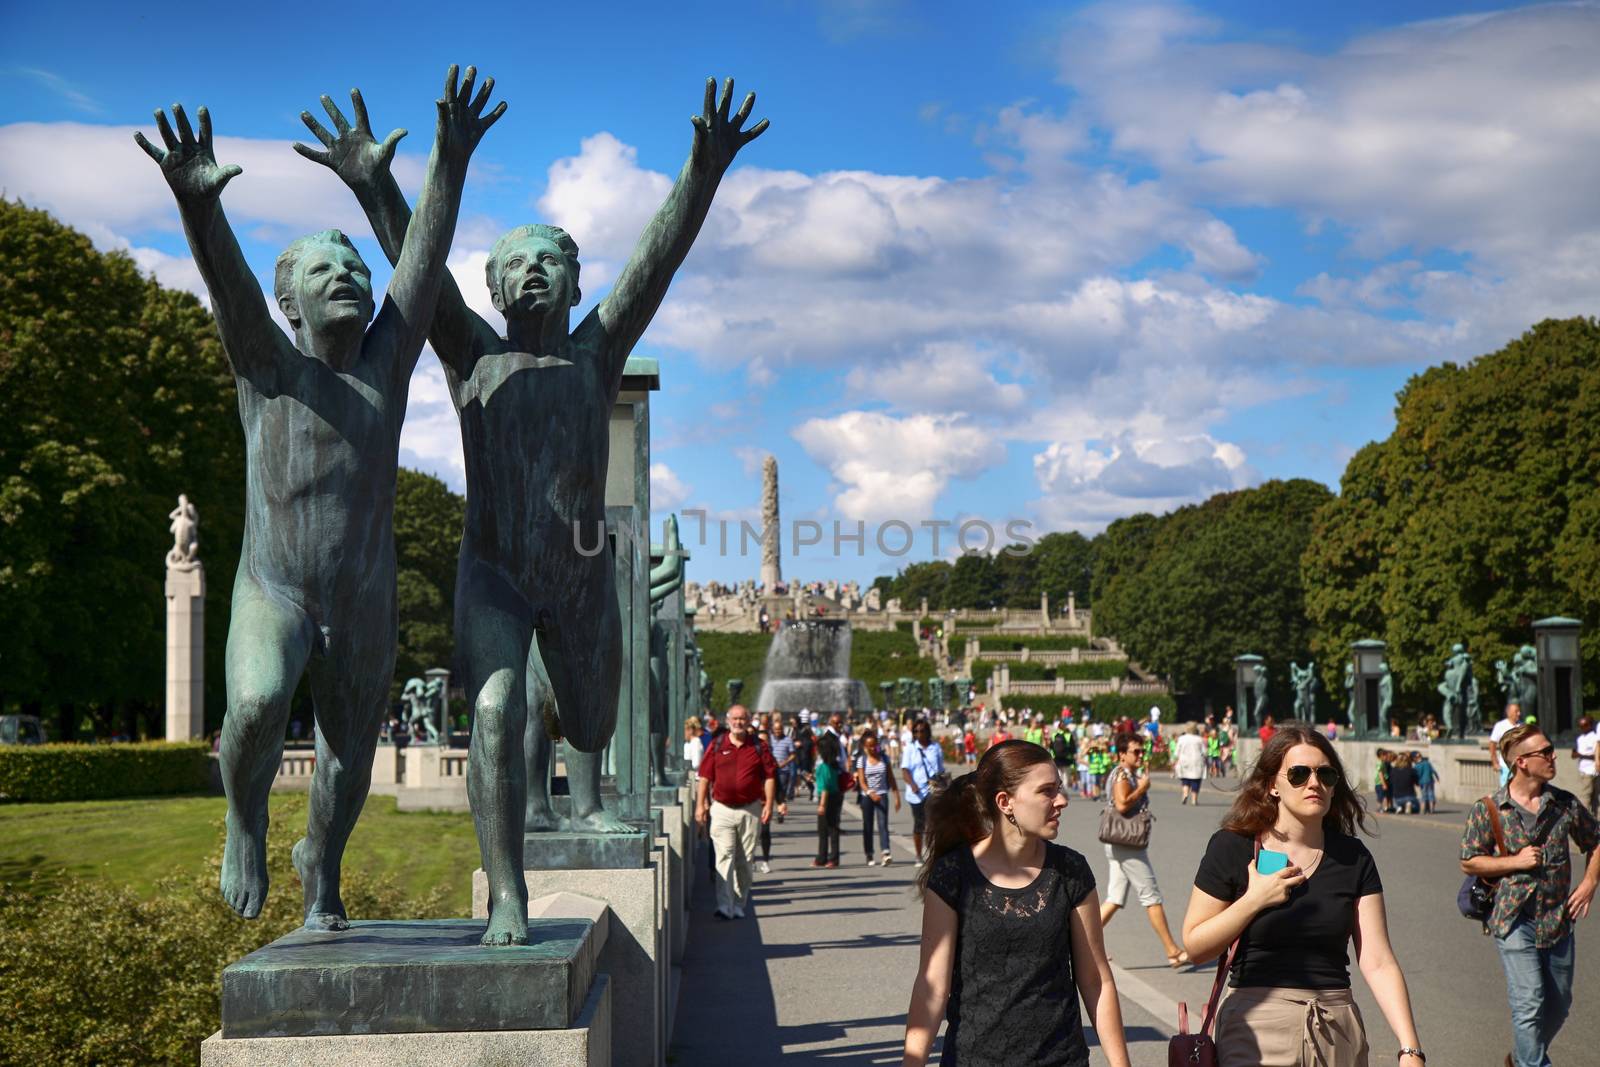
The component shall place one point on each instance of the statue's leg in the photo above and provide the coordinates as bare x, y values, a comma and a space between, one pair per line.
493, 629
537, 747
349, 692
581, 648
269, 642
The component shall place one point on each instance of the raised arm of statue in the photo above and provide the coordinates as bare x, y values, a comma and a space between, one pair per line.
362, 163
642, 285
250, 337
419, 272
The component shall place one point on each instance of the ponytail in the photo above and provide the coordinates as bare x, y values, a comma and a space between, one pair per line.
965, 812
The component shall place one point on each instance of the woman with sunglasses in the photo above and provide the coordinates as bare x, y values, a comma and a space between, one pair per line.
1289, 1003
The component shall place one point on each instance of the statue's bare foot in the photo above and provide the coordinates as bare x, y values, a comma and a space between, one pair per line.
506, 926
540, 819
244, 867
324, 909
599, 821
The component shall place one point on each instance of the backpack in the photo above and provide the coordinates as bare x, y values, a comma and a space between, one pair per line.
1059, 749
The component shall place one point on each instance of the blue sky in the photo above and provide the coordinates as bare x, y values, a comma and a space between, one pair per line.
1058, 263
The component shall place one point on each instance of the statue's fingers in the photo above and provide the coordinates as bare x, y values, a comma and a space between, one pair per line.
711, 97
493, 116
756, 131
340, 123
389, 144
204, 115
313, 154
165, 129
699, 124
230, 172
744, 109
359, 107
185, 131
466, 85
149, 149
317, 129
483, 95
450, 81
727, 98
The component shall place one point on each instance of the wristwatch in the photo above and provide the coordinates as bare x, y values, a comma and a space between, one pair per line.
1417, 1052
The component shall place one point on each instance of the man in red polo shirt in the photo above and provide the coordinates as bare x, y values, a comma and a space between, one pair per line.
738, 784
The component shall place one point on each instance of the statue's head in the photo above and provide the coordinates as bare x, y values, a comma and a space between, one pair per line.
322, 281
1526, 652
533, 270
1457, 648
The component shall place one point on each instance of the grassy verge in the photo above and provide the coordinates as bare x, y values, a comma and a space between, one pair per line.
135, 843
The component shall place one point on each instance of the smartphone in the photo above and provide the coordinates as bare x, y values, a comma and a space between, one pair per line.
1270, 862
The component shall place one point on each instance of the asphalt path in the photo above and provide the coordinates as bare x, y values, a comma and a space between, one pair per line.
822, 972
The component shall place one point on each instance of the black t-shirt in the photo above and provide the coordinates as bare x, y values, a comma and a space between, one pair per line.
1302, 943
1012, 996
1402, 780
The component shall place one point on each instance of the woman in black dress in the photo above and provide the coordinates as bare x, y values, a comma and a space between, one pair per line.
1010, 926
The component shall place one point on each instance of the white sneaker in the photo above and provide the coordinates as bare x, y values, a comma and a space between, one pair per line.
738, 913
764, 867
871, 862
887, 859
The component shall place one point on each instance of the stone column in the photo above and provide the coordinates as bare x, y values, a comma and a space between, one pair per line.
1072, 608
771, 539
186, 651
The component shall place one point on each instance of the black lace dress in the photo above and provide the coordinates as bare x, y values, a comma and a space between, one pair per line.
1012, 996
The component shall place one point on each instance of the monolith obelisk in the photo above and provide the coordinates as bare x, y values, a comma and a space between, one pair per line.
186, 627
771, 569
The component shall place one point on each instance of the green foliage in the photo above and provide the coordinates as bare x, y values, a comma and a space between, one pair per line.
1072, 672
882, 656
1055, 564
93, 772
1475, 517
922, 580
875, 656
114, 398
1188, 591
98, 974
958, 647
979, 623
1035, 642
732, 655
428, 518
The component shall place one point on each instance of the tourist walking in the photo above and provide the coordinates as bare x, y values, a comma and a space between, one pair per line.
1128, 792
874, 787
1535, 904
1190, 763
1512, 719
1010, 926
922, 767
693, 747
738, 784
1584, 747
830, 797
787, 760
1289, 1003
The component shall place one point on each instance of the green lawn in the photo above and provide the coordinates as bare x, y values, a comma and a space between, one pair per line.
137, 842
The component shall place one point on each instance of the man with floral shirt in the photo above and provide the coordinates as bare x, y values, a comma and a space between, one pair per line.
1534, 904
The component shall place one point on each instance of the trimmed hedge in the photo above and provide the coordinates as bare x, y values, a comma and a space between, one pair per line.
1036, 642
1094, 671
100, 772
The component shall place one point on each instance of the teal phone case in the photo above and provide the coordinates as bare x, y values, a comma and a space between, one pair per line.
1269, 862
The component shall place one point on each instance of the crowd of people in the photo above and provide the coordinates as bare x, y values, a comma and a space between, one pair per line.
1012, 933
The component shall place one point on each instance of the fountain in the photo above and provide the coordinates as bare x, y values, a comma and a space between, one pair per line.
808, 666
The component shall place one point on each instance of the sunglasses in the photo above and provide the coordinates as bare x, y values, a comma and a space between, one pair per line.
1547, 752
1299, 775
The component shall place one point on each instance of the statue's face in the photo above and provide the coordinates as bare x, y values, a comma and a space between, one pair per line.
535, 279
332, 287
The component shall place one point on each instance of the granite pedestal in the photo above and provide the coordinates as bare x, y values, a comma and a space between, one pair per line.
564, 851
421, 976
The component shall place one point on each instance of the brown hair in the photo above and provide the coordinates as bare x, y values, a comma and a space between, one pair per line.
965, 812
1255, 809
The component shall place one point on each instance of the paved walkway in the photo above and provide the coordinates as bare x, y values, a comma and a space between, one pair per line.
822, 973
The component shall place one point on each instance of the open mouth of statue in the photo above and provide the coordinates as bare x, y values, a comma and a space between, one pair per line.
345, 293
535, 285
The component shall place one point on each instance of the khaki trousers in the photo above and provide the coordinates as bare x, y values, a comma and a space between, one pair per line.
733, 834
1263, 1027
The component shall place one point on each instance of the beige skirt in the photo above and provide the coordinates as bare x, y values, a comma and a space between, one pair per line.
1265, 1027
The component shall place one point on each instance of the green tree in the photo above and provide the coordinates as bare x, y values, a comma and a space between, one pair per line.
428, 518
923, 580
114, 398
974, 583
1063, 563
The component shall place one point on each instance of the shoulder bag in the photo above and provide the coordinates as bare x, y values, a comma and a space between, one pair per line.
1200, 1050
1130, 831
1475, 898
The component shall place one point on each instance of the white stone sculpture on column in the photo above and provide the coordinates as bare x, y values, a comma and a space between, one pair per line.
186, 626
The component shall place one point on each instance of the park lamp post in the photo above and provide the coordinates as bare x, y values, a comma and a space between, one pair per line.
1560, 676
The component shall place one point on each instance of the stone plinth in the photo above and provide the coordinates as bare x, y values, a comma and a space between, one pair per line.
186, 652
586, 1043
422, 976
565, 851
633, 957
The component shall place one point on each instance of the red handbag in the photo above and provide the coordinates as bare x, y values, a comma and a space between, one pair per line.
1200, 1050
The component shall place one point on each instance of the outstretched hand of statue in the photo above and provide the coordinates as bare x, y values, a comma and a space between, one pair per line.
718, 137
188, 163
462, 122
352, 152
